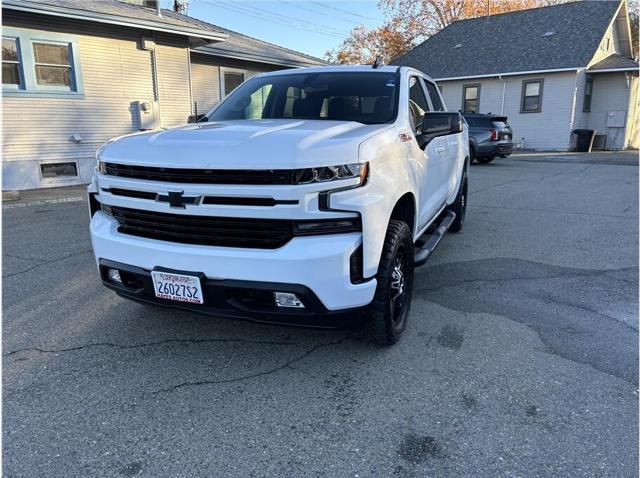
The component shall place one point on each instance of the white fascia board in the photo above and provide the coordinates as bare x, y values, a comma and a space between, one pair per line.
511, 73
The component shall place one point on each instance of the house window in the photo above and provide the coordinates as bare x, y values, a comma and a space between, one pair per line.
11, 62
230, 79
52, 64
435, 97
37, 63
588, 90
531, 96
470, 98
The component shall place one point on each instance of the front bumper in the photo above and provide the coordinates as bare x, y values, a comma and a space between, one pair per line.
320, 264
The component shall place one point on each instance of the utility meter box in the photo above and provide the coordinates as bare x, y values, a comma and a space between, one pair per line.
148, 117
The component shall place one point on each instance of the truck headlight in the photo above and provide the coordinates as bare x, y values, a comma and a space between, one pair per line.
102, 167
332, 173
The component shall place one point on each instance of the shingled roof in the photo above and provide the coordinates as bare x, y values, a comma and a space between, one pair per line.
118, 13
225, 42
244, 47
561, 36
614, 62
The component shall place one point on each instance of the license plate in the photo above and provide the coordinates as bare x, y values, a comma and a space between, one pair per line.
178, 287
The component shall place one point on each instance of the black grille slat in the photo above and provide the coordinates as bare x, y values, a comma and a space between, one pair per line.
204, 230
202, 176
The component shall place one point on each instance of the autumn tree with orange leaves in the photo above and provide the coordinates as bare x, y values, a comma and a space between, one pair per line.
411, 21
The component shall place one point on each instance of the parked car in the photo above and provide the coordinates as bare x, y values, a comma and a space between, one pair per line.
490, 136
306, 196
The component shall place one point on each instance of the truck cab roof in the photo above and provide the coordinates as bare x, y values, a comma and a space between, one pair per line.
344, 69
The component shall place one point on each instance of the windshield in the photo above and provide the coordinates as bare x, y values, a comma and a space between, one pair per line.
369, 98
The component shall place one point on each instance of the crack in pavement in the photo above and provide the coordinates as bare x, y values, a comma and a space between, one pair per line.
586, 273
15, 256
554, 211
287, 364
51, 261
147, 344
549, 300
492, 187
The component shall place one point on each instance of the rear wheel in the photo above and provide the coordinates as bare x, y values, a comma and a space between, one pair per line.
486, 160
391, 303
459, 206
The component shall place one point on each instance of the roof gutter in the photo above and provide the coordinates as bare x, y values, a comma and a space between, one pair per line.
112, 20
513, 73
257, 59
613, 70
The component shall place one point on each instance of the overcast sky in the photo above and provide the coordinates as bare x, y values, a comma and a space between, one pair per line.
309, 26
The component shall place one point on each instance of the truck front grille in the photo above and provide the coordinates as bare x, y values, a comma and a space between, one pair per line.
204, 230
201, 176
225, 231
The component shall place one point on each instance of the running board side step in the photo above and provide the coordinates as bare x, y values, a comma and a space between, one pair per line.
428, 242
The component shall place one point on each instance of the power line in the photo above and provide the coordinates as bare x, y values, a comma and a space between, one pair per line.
342, 10
244, 11
294, 19
312, 10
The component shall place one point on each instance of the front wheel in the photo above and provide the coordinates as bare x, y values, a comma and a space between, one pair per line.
459, 206
388, 313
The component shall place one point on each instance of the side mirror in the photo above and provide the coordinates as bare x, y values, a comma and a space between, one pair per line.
195, 118
440, 123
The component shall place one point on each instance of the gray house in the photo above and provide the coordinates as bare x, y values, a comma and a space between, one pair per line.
550, 70
76, 73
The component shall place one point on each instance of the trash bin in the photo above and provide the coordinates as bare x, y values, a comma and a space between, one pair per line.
584, 139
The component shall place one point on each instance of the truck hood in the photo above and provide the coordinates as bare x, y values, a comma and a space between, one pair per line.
244, 144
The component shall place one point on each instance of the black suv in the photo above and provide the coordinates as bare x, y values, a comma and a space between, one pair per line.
489, 136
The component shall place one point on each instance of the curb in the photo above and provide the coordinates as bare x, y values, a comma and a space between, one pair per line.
10, 195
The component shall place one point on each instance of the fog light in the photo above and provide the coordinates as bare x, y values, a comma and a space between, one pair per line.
286, 299
114, 275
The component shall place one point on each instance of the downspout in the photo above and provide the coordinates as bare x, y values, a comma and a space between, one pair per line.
154, 74
573, 106
504, 88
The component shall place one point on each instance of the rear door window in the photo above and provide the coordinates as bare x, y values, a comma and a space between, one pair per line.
435, 97
418, 104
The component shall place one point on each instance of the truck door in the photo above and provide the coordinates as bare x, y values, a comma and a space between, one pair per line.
451, 142
432, 160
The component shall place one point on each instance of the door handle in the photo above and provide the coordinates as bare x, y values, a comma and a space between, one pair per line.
441, 149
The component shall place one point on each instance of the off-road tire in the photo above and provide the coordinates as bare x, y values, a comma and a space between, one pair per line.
386, 318
459, 206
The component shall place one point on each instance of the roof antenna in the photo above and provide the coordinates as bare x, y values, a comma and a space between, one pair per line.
377, 63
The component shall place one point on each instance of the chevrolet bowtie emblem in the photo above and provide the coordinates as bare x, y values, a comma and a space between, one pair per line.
176, 199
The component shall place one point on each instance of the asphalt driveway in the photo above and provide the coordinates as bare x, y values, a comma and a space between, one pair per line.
520, 358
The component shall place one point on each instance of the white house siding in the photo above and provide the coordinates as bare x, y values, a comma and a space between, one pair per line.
115, 72
549, 129
205, 77
611, 92
205, 84
173, 79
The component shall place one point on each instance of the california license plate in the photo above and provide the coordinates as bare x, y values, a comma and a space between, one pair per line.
178, 287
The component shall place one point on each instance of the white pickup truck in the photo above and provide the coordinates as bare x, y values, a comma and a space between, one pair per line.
305, 197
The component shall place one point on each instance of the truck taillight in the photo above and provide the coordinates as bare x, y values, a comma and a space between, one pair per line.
494, 135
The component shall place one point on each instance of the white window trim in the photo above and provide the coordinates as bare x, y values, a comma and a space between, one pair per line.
29, 86
223, 70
